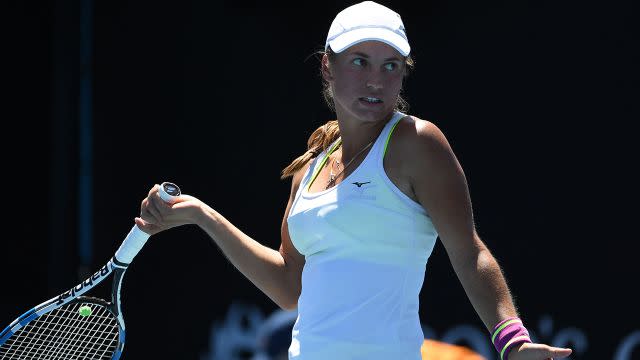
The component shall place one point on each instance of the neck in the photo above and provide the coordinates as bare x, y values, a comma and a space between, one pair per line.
357, 134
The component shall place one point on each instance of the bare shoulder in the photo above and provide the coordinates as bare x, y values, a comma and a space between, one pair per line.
415, 136
428, 169
416, 150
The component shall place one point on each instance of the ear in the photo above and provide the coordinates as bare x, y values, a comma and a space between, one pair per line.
325, 68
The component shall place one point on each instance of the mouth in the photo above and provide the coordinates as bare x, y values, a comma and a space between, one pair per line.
371, 100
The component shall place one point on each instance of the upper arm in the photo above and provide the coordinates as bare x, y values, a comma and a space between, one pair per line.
294, 261
440, 185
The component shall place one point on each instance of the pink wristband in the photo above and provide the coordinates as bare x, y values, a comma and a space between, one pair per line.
507, 334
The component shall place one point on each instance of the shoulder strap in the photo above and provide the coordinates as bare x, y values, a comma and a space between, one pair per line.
386, 143
319, 167
393, 122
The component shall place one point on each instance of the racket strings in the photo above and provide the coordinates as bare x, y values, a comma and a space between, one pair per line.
62, 335
65, 334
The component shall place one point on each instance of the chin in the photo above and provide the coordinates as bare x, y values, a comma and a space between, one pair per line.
364, 113
373, 114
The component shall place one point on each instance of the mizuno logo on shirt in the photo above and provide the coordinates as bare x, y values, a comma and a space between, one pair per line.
359, 184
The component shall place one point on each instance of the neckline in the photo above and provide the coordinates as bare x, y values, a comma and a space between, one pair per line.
333, 147
325, 157
307, 193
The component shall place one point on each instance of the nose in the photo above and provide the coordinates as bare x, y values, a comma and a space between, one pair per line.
374, 84
374, 81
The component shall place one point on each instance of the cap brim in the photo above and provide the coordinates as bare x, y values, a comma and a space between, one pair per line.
356, 36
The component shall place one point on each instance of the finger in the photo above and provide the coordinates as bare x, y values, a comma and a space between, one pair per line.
148, 213
161, 205
547, 352
153, 190
141, 223
540, 351
155, 211
559, 353
146, 227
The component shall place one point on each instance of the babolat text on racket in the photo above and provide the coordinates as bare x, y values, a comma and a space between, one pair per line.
72, 326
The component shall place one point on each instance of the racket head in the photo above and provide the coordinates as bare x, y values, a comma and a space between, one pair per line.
83, 328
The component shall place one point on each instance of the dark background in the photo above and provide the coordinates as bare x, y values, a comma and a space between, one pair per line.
538, 100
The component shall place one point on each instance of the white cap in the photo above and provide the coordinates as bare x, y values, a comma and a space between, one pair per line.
367, 21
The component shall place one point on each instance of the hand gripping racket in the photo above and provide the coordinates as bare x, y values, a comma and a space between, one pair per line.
71, 326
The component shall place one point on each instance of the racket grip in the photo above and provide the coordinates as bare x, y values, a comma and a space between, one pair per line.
136, 238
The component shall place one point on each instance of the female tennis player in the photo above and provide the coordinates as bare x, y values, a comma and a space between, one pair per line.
369, 198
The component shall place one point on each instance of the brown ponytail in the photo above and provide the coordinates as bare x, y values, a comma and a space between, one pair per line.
318, 142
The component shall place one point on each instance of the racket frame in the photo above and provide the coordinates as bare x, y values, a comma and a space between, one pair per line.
132, 244
75, 294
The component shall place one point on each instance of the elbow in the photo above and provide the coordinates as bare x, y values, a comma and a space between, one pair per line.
292, 299
292, 288
289, 306
289, 302
486, 260
475, 262
286, 297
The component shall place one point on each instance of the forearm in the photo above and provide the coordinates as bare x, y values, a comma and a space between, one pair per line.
486, 287
263, 266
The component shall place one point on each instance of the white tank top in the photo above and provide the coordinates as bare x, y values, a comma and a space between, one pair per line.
366, 246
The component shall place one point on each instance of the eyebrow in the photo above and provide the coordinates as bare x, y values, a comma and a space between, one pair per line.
393, 58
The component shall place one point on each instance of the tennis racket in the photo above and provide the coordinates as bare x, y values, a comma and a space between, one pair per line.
72, 326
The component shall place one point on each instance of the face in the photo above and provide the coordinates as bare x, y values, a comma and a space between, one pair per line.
366, 80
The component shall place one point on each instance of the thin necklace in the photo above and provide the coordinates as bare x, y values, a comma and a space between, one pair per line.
332, 176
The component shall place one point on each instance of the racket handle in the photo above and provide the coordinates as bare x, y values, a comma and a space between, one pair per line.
136, 238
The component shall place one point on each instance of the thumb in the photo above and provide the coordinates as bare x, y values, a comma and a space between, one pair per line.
559, 353
533, 351
146, 227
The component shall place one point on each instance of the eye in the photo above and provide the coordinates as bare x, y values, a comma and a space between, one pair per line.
390, 66
359, 61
